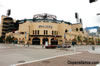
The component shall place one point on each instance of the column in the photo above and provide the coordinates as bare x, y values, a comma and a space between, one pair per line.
41, 40
31, 40
49, 41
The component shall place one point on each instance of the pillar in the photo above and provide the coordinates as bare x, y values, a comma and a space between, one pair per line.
49, 41
31, 40
41, 40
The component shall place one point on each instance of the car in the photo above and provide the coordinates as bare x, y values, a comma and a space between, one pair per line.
64, 46
50, 47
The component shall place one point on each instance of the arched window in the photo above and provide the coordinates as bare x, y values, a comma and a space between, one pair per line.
81, 29
66, 30
76, 29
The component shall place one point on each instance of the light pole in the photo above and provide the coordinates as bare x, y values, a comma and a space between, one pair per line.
91, 1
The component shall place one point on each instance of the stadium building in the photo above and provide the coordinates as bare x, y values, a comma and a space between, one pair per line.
42, 28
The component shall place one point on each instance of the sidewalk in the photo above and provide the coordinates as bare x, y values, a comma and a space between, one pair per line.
64, 60
97, 51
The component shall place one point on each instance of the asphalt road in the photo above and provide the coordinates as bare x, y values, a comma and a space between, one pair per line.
81, 59
13, 54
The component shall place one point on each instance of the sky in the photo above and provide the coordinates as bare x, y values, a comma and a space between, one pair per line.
63, 9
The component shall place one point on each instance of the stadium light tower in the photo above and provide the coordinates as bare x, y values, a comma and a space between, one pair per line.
98, 13
91, 1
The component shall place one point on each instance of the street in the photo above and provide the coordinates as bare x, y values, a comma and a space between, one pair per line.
13, 54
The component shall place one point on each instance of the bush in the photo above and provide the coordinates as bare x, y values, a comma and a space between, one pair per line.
9, 39
1, 39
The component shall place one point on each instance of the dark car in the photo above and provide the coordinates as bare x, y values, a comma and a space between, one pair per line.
64, 46
51, 46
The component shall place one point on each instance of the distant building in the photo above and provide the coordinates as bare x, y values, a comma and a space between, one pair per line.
92, 33
7, 25
98, 30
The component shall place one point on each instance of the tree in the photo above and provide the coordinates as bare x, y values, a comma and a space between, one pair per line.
1, 39
9, 39
79, 39
86, 40
98, 41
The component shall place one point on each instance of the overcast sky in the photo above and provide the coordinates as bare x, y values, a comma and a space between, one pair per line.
63, 9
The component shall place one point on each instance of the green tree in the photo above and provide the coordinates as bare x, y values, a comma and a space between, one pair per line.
86, 40
1, 39
9, 39
79, 39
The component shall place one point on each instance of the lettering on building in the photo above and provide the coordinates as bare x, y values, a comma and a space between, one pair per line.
45, 26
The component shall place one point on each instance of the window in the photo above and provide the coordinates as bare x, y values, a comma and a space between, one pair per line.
57, 32
81, 29
35, 32
66, 30
45, 32
38, 32
52, 32
76, 29
21, 32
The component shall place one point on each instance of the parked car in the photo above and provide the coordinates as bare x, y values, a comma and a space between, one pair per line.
50, 47
64, 46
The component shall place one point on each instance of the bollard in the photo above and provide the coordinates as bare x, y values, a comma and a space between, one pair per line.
93, 48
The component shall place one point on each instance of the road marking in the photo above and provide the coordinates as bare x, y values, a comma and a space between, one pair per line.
1, 47
44, 59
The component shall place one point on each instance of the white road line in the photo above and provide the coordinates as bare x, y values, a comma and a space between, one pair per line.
45, 59
4, 47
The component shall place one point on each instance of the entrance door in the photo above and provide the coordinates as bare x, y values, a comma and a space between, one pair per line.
54, 42
45, 40
36, 41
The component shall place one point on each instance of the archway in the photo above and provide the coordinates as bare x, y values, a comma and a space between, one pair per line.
36, 41
54, 42
45, 40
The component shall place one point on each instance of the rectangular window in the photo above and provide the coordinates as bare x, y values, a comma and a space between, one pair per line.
35, 32
52, 32
46, 32
57, 32
38, 32
21, 32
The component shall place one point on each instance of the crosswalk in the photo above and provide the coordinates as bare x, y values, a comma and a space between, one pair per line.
2, 47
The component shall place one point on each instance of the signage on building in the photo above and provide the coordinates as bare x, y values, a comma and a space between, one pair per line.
70, 30
45, 26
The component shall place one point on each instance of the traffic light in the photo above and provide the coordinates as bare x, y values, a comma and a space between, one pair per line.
91, 1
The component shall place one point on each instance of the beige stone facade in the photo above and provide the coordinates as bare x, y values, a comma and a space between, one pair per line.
59, 33
41, 30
